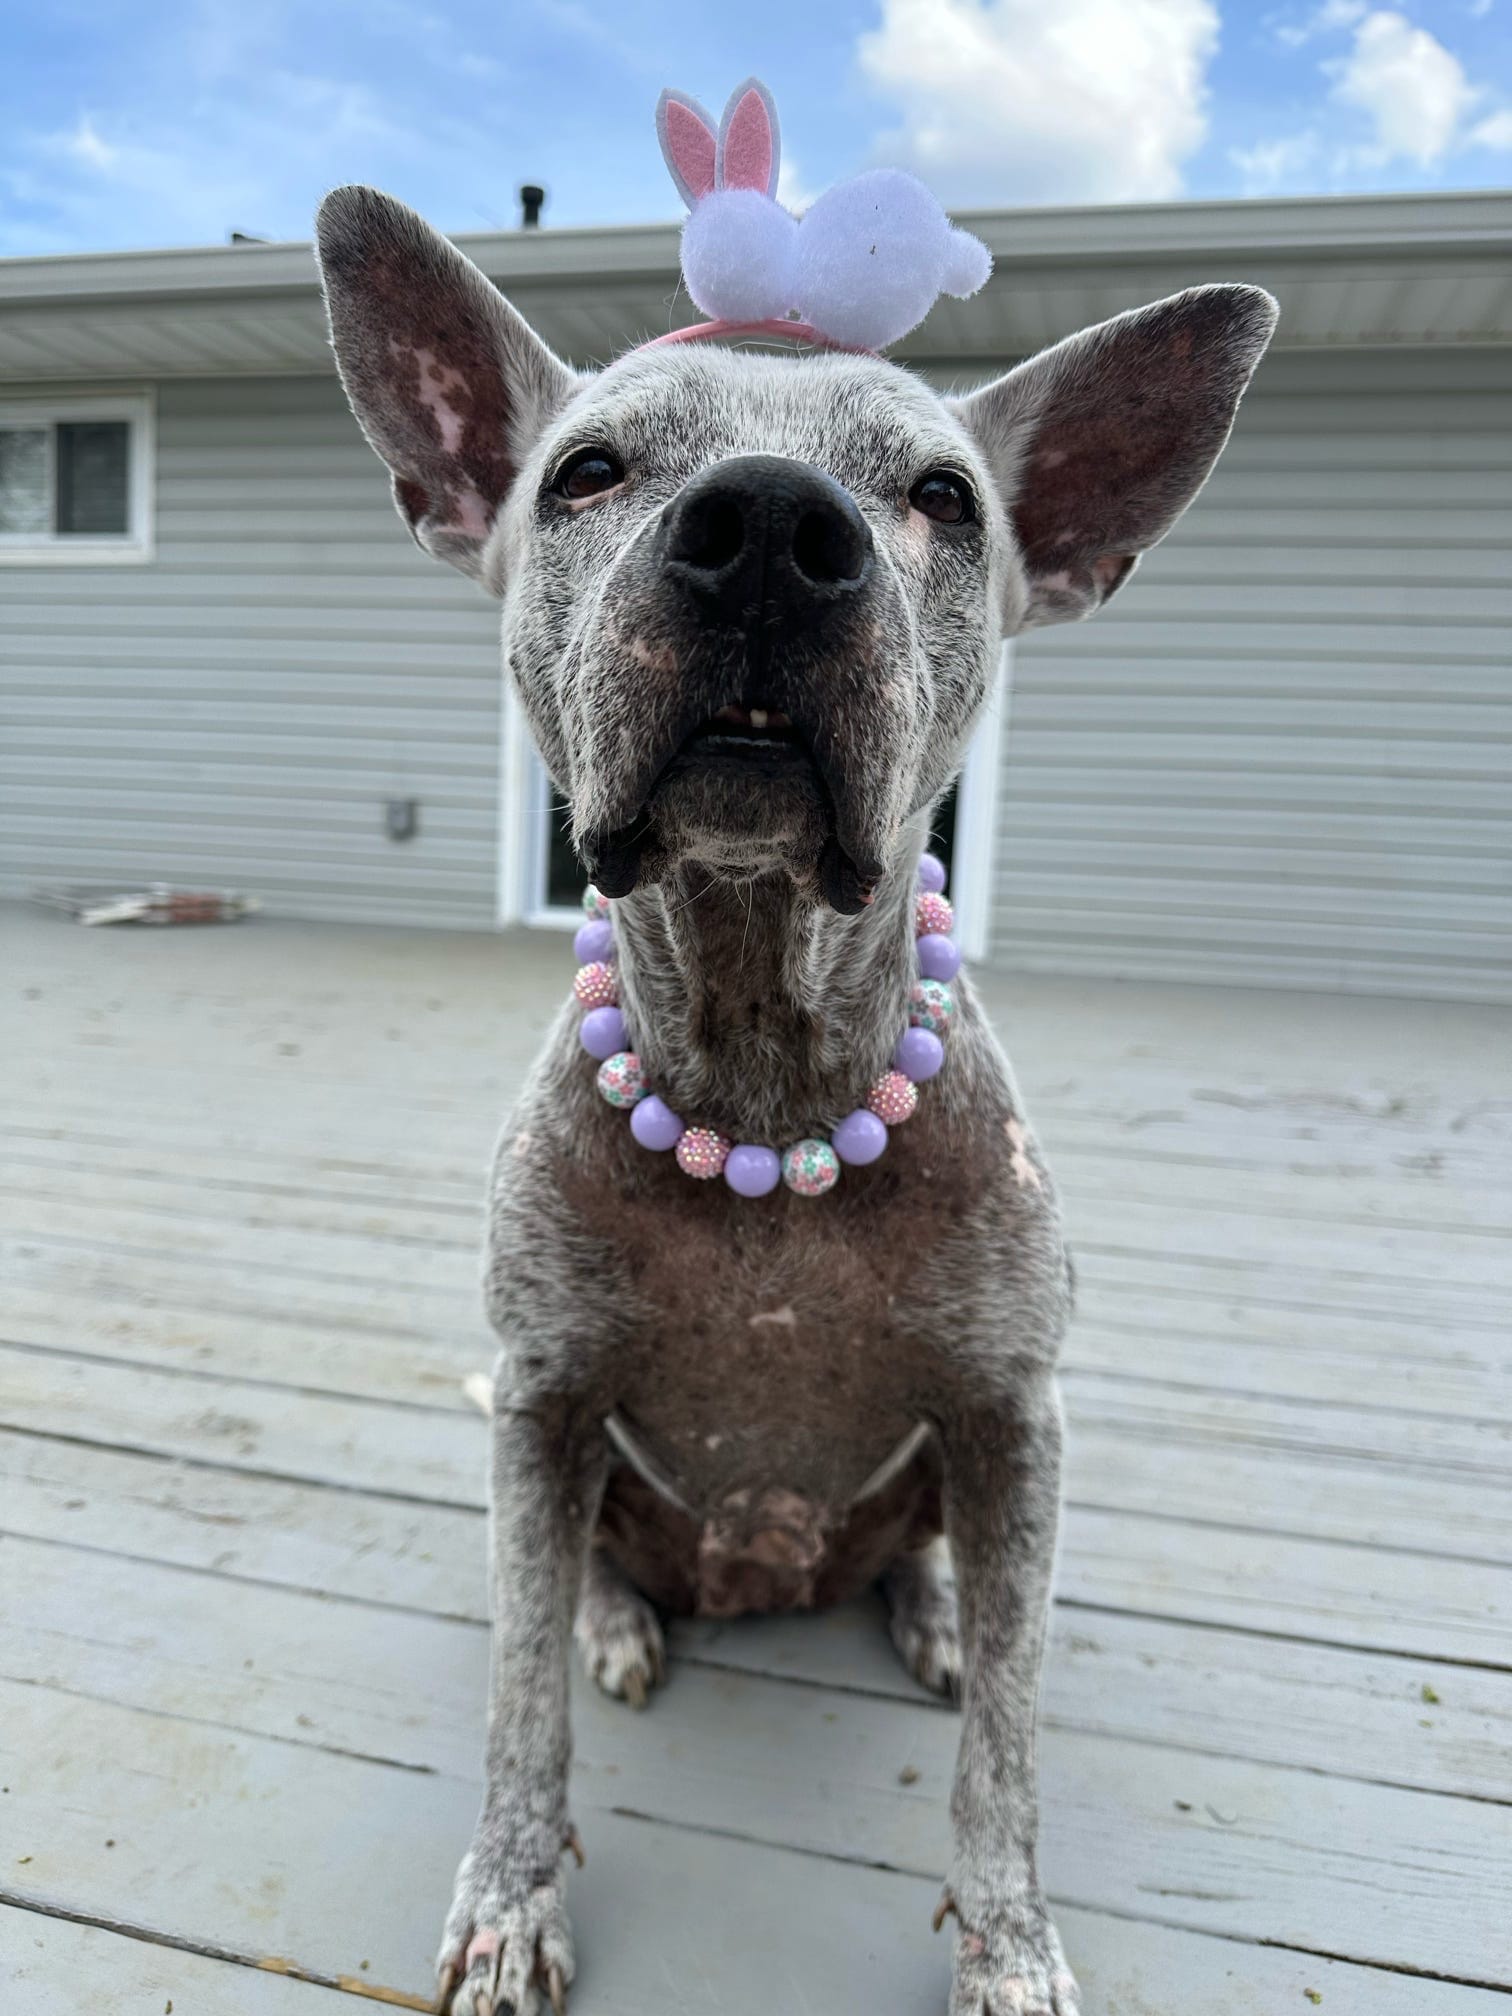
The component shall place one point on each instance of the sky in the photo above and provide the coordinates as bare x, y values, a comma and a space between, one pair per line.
179, 122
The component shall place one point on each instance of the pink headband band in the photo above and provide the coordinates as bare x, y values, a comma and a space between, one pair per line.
799, 332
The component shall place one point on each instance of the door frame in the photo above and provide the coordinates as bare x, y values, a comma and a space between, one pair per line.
525, 805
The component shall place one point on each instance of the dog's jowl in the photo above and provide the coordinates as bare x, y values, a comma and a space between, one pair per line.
752, 605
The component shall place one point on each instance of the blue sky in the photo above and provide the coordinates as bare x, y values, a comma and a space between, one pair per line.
179, 122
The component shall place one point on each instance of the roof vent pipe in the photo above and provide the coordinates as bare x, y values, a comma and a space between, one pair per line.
531, 199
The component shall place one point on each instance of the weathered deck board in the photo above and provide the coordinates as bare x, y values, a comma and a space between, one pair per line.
240, 1210
1252, 1464
429, 1558
309, 1669
102, 1799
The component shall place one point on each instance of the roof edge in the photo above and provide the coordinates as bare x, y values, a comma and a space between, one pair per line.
1300, 227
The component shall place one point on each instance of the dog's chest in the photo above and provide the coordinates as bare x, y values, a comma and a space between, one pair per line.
782, 1343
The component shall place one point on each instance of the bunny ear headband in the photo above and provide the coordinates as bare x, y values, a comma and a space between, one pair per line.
861, 268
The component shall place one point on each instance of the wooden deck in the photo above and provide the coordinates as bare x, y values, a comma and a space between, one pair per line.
242, 1654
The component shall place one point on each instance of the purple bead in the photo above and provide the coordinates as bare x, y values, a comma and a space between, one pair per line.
593, 940
931, 873
919, 1054
860, 1138
655, 1125
752, 1172
602, 1031
939, 957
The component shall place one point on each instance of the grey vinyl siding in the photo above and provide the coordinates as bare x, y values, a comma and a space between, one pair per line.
236, 710
1284, 752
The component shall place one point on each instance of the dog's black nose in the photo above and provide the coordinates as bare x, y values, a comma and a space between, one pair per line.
762, 543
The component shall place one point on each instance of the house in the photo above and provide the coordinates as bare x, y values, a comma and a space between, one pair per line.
1283, 755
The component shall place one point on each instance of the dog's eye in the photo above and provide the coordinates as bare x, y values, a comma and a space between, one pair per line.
588, 473
943, 497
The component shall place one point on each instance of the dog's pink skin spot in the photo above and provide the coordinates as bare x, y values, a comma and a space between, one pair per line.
523, 1144
1050, 458
484, 1946
916, 534
436, 381
1062, 580
1024, 1172
470, 515
661, 659
784, 1318
973, 1944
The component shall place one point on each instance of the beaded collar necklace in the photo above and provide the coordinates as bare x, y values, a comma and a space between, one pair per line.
808, 1167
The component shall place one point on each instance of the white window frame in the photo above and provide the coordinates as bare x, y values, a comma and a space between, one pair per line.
525, 806
92, 549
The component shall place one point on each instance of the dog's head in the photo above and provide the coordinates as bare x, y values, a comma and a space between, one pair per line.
753, 602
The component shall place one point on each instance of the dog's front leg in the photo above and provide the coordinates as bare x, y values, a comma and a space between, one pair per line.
507, 1940
1002, 1492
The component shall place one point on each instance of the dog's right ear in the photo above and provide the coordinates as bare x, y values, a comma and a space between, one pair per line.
448, 382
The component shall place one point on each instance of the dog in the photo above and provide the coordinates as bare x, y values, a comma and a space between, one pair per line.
752, 606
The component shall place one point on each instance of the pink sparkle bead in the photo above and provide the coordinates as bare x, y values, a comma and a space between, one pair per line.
621, 1080
893, 1098
702, 1153
933, 915
596, 985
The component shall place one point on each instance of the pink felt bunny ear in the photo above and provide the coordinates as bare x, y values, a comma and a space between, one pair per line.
689, 144
749, 143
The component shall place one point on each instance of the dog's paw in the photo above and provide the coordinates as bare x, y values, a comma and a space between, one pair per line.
1010, 1969
924, 1623
620, 1640
929, 1644
507, 1948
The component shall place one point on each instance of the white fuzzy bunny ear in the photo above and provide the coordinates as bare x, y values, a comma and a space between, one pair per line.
690, 143
750, 144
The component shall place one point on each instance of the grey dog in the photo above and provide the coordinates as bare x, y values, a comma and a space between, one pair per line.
752, 605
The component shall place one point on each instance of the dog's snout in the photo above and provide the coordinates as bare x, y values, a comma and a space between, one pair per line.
764, 540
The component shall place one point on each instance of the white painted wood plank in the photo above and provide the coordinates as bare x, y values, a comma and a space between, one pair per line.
399, 1238
140, 1313
1250, 1463
430, 1558
346, 1676
1314, 1187
309, 1861
1126, 1969
55, 1967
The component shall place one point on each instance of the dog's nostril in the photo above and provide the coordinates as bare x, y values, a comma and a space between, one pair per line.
710, 533
830, 546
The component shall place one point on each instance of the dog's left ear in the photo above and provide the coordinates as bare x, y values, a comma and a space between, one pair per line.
1099, 444
448, 382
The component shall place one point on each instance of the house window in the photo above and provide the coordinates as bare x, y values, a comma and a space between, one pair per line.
75, 480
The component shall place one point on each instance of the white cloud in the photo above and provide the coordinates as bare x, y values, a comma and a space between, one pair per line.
1331, 15
1412, 89
793, 191
1271, 165
1411, 95
1020, 101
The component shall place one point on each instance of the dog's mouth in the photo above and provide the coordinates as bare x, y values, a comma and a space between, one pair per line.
748, 780
744, 735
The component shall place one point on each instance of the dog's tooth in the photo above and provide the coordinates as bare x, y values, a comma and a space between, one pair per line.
759, 717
